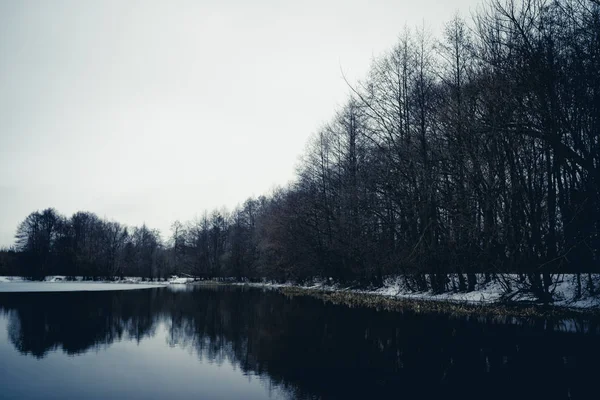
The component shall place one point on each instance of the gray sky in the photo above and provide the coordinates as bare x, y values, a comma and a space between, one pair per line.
152, 111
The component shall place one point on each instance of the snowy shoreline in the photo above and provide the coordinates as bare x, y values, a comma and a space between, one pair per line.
60, 283
500, 290
494, 292
81, 279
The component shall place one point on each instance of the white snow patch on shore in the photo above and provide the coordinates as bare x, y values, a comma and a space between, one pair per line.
564, 290
130, 280
29, 286
60, 283
9, 279
486, 293
180, 281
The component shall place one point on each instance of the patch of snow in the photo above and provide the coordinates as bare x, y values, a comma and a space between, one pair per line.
179, 281
9, 279
563, 290
55, 278
79, 279
27, 286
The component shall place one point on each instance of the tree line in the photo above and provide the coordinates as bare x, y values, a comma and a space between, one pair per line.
48, 243
478, 152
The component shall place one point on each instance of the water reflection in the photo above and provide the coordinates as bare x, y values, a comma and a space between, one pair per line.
77, 322
307, 349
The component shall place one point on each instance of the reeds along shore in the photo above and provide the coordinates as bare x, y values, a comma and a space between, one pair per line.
388, 303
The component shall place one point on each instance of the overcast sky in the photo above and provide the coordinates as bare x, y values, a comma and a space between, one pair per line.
152, 111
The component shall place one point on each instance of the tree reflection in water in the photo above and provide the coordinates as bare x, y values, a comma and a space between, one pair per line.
315, 350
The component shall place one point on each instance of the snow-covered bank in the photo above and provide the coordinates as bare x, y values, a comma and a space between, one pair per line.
564, 291
133, 280
126, 279
9, 279
180, 281
87, 286
61, 283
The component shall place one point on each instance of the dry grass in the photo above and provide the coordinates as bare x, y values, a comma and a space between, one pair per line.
380, 302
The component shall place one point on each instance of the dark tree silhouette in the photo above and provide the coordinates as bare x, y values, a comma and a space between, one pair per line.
475, 153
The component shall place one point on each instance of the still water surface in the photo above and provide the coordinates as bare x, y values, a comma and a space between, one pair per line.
237, 343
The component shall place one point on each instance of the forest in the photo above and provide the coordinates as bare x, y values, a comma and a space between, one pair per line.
474, 153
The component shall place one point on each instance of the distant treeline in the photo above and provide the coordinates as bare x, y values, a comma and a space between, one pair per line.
478, 152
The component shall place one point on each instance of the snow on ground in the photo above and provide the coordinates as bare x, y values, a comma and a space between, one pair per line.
564, 290
60, 283
179, 281
126, 279
9, 279
484, 293
30, 286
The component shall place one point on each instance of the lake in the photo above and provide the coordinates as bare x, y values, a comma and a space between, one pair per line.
242, 343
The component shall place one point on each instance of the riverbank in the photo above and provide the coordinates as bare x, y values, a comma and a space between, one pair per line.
499, 296
59, 283
123, 280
